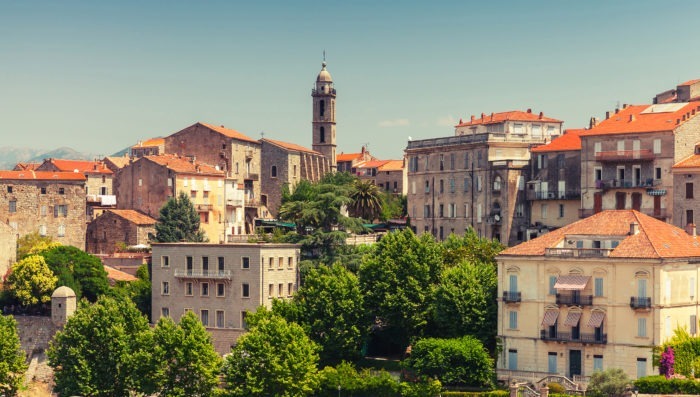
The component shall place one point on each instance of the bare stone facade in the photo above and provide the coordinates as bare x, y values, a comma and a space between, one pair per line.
115, 227
50, 203
98, 175
8, 248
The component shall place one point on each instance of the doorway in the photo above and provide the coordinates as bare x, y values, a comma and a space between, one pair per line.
574, 363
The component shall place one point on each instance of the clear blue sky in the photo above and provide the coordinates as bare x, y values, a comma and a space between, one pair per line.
98, 76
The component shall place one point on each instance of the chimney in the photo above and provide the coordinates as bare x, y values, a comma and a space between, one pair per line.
541, 115
624, 106
193, 159
529, 110
473, 118
460, 121
592, 123
491, 116
607, 115
631, 118
482, 116
691, 229
634, 228
617, 110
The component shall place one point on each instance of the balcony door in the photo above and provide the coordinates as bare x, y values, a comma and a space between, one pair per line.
574, 363
597, 202
636, 201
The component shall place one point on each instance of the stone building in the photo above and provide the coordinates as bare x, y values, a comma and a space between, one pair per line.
626, 159
686, 174
599, 293
115, 163
476, 178
554, 189
149, 147
347, 162
323, 122
230, 151
98, 175
221, 283
287, 164
388, 175
8, 248
50, 203
115, 227
146, 185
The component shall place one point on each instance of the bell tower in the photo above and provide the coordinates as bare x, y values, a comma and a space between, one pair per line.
323, 122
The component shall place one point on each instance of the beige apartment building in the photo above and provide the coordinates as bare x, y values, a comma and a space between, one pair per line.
599, 293
221, 283
476, 178
47, 202
554, 188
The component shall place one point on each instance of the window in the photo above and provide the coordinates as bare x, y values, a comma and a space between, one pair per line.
189, 289
44, 210
688, 190
597, 147
244, 324
205, 289
13, 206
61, 190
245, 263
321, 108
466, 184
550, 130
536, 131
205, 265
290, 262
322, 134
466, 210
552, 282
165, 288
598, 173
43, 190
273, 171
513, 320
219, 319
518, 128
442, 162
543, 211
165, 312
597, 363
598, 286
478, 212
280, 262
271, 262
497, 184
61, 230
193, 194
427, 162
552, 362
280, 289
204, 315
520, 209
222, 264
466, 160
642, 327
42, 230
689, 216
426, 211
220, 290
427, 186
452, 185
561, 210
245, 290
164, 261
442, 186
60, 210
189, 265
693, 324
452, 210
512, 359
657, 146
641, 367
9, 189
270, 291
290, 288
452, 161
657, 173
441, 211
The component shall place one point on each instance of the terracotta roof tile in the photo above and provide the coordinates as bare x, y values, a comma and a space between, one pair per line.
118, 275
656, 239
42, 175
689, 82
569, 141
153, 142
692, 161
392, 165
646, 118
229, 132
347, 157
134, 216
372, 164
515, 115
183, 165
290, 146
89, 167
26, 166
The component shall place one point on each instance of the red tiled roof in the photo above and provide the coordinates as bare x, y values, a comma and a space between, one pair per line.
290, 146
183, 165
150, 143
514, 115
570, 140
392, 165
372, 164
118, 275
90, 167
134, 216
639, 118
655, 239
347, 157
42, 175
689, 82
692, 161
229, 132
26, 166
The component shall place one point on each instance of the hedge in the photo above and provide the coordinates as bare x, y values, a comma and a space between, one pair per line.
494, 393
658, 384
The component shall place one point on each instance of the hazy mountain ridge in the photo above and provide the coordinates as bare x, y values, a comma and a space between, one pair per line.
10, 156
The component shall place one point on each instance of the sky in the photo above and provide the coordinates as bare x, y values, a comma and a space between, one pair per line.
98, 76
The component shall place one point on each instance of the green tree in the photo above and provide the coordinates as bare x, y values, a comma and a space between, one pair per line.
102, 350
471, 248
330, 310
366, 200
462, 361
275, 358
393, 206
138, 291
82, 272
611, 382
12, 357
179, 221
31, 281
465, 303
184, 358
396, 281
34, 243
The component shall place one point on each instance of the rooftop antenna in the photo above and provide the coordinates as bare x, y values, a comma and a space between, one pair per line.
262, 134
324, 55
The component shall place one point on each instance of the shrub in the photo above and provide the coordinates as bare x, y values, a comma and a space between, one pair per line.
494, 393
611, 382
556, 388
660, 385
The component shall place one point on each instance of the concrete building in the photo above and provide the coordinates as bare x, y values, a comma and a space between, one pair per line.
8, 248
323, 122
599, 293
554, 189
149, 147
476, 178
146, 185
221, 283
115, 227
686, 174
230, 151
285, 164
626, 159
50, 203
388, 175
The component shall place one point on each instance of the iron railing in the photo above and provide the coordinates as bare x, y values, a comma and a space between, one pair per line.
640, 302
561, 336
512, 296
574, 299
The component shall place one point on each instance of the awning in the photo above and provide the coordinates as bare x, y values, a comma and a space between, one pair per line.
550, 318
572, 282
596, 319
572, 319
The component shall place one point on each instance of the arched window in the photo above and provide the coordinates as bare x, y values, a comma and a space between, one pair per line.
322, 107
497, 183
273, 171
323, 134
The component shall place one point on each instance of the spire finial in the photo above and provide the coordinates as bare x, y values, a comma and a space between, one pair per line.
324, 59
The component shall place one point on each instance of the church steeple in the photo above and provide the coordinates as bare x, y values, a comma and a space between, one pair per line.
323, 122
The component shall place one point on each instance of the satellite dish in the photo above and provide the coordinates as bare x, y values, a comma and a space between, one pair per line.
497, 217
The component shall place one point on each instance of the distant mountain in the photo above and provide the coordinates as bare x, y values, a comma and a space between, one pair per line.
10, 156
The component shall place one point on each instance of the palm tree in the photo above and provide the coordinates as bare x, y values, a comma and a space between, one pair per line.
366, 201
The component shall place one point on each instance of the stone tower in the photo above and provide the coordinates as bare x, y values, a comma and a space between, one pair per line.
323, 123
63, 305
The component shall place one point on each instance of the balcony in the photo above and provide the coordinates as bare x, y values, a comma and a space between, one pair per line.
578, 252
625, 155
637, 302
252, 203
559, 336
556, 195
204, 207
626, 183
234, 202
315, 92
494, 219
252, 177
512, 297
203, 274
574, 300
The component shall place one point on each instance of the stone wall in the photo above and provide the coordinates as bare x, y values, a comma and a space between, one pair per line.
8, 248
107, 231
